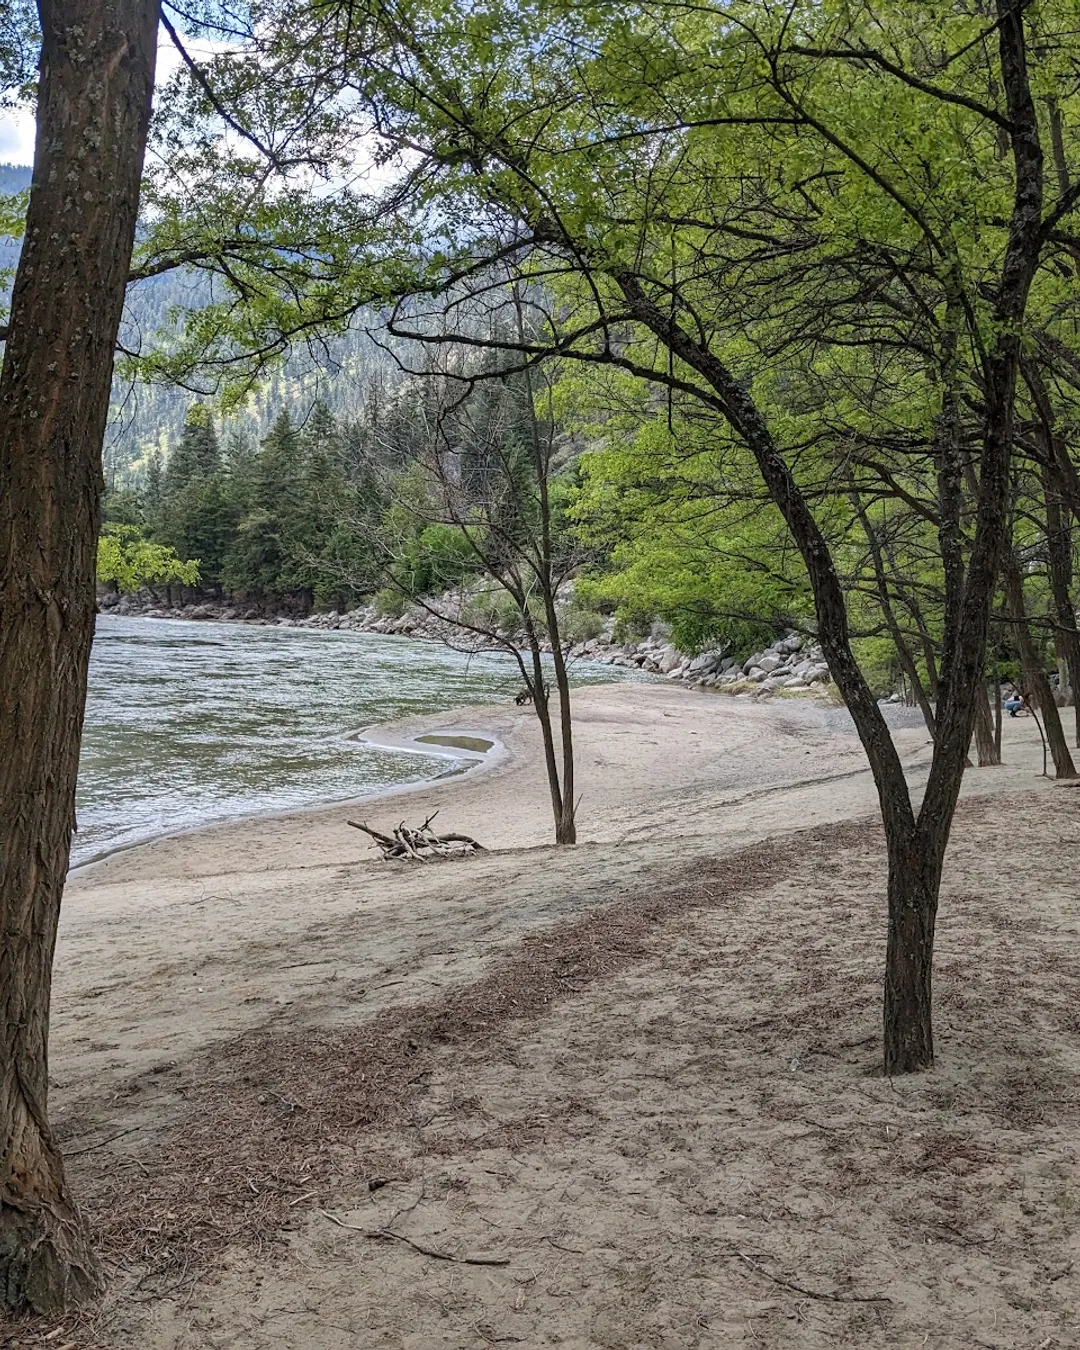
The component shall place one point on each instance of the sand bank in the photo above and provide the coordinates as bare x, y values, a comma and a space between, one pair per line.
175, 958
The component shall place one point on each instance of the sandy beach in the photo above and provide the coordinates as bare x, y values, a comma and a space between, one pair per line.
640, 1071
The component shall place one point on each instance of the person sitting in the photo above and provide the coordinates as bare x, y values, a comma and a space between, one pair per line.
1013, 702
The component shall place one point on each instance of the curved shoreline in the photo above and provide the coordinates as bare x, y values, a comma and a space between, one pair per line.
472, 763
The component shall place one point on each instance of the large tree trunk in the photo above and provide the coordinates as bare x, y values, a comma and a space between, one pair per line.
915, 859
93, 110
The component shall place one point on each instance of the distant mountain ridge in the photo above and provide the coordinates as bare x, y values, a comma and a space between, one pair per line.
145, 418
14, 178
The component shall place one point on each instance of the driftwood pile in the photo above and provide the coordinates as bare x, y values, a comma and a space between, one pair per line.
420, 845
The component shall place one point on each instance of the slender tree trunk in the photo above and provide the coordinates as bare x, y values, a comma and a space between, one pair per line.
1061, 491
542, 709
566, 826
986, 746
565, 818
1067, 639
93, 110
998, 711
903, 651
1036, 685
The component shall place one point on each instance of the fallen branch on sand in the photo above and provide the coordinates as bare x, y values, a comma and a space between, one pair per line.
824, 1295
420, 845
389, 1235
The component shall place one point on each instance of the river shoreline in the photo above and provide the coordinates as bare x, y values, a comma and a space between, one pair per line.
464, 762
793, 664
192, 724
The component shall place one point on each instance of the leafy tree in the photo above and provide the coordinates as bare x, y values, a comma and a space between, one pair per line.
841, 233
483, 501
127, 561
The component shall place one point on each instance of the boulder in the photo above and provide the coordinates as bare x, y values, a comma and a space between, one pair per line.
769, 663
668, 659
706, 663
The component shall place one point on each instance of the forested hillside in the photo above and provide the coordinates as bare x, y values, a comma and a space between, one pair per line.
14, 178
148, 417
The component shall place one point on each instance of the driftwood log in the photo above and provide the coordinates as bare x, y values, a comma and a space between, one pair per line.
420, 845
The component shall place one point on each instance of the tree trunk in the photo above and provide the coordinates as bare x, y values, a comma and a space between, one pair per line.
987, 749
1061, 492
998, 711
566, 813
542, 709
1059, 554
93, 110
566, 824
903, 651
914, 882
1036, 685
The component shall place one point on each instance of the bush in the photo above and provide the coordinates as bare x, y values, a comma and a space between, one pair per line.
578, 623
438, 558
389, 603
493, 610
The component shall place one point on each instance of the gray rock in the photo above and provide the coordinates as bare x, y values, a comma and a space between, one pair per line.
668, 659
769, 664
706, 663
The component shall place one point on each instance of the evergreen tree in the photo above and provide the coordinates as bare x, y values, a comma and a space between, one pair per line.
153, 493
197, 454
196, 517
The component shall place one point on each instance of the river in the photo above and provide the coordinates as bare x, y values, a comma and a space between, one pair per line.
191, 723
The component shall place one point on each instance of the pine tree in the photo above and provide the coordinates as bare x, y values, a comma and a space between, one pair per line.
197, 454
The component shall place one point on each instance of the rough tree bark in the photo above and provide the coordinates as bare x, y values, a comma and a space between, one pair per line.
986, 745
96, 78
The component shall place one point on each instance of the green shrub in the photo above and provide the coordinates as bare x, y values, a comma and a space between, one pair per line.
389, 603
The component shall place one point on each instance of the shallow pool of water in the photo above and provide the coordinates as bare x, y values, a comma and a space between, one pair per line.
189, 723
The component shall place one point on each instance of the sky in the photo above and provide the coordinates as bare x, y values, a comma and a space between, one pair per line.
16, 137
17, 126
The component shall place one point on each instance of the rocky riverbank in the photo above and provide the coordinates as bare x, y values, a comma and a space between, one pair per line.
793, 664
